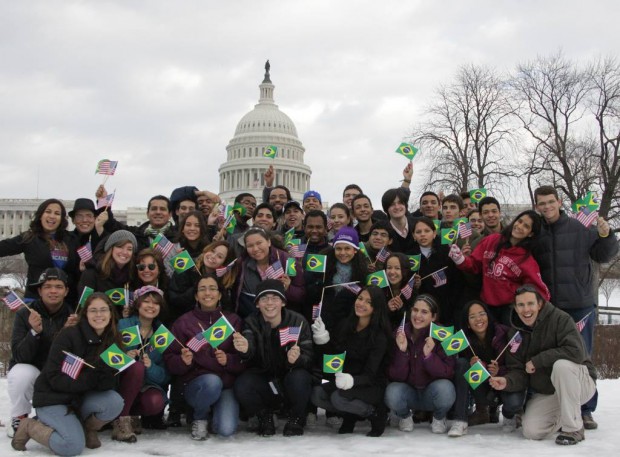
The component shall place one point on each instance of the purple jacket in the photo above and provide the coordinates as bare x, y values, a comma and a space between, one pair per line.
184, 329
414, 368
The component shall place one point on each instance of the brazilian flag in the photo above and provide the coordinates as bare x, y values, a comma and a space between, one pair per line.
316, 263
218, 332
590, 201
437, 224
459, 221
333, 363
131, 336
288, 236
476, 195
291, 267
115, 358
87, 292
414, 261
363, 249
117, 296
182, 262
378, 278
270, 152
407, 150
239, 209
441, 333
455, 344
161, 339
448, 235
476, 375
293, 242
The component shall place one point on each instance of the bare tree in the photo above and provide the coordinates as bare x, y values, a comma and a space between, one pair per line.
469, 133
15, 268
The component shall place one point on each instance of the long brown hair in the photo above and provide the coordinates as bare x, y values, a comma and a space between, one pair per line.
36, 228
110, 333
107, 262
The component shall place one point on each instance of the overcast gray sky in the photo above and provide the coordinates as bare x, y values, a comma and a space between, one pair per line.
160, 85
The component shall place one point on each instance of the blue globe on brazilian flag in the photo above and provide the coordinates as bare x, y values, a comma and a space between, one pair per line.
476, 375
441, 333
162, 338
333, 363
115, 358
455, 344
316, 263
407, 150
270, 152
182, 262
219, 332
131, 336
378, 278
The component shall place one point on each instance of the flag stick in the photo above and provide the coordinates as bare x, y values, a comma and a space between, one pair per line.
390, 287
298, 336
341, 284
85, 363
105, 179
428, 276
107, 204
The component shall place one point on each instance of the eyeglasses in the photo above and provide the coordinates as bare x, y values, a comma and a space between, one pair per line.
98, 310
150, 266
269, 299
479, 315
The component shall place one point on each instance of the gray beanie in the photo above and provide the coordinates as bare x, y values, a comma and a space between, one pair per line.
118, 237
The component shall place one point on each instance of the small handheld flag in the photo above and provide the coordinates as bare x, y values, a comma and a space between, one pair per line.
106, 167
219, 332
239, 209
131, 336
465, 230
582, 322
407, 150
586, 216
87, 292
223, 270
115, 358
455, 344
105, 201
316, 263
353, 288
401, 326
448, 236
270, 152
72, 365
476, 375
333, 363
85, 252
161, 339
289, 335
163, 245
441, 333
363, 250
408, 289
477, 194
288, 236
459, 221
291, 268
197, 342
382, 255
414, 261
117, 296
378, 278
515, 342
274, 271
13, 301
316, 311
440, 278
182, 262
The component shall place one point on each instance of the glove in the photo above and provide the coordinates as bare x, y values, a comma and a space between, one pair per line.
344, 381
456, 255
319, 334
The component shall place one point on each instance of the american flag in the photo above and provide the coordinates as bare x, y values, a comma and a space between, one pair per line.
219, 272
352, 288
465, 230
105, 201
197, 342
408, 289
85, 252
582, 323
297, 250
289, 335
274, 271
316, 311
401, 326
586, 216
72, 365
106, 167
13, 301
382, 255
515, 342
440, 278
163, 245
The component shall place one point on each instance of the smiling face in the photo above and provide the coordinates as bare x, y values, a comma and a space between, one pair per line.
478, 320
549, 207
158, 213
208, 294
215, 257
149, 308
362, 209
491, 217
122, 254
379, 238
205, 204
397, 209
84, 221
429, 205
257, 247
527, 307
315, 229
339, 219
293, 217
421, 315
424, 235
51, 218
394, 271
270, 306
264, 219
148, 270
185, 207
363, 305
521, 229
476, 221
99, 315
53, 293
344, 252
191, 228
311, 203
348, 195
277, 199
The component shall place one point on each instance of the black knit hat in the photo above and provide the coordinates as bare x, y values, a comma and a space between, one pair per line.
270, 286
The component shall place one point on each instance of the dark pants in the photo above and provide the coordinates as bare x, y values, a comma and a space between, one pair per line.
255, 394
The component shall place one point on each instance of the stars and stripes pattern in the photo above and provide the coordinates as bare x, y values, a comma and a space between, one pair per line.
401, 326
85, 252
164, 246
408, 289
297, 250
582, 322
219, 272
586, 216
197, 342
316, 311
465, 230
72, 365
13, 301
106, 167
105, 201
382, 255
440, 278
515, 342
274, 271
354, 288
289, 335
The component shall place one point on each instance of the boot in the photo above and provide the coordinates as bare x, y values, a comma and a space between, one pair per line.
266, 427
378, 420
136, 425
348, 424
154, 422
91, 426
31, 428
480, 416
121, 430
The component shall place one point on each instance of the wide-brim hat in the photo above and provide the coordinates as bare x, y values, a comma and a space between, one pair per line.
84, 203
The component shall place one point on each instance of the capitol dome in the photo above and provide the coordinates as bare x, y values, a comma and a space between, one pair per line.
245, 164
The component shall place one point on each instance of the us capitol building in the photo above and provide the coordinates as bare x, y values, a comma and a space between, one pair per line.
245, 164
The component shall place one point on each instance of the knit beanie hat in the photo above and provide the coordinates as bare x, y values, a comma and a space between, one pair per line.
118, 237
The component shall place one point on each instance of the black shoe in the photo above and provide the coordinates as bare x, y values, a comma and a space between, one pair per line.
154, 422
294, 427
174, 419
493, 415
348, 424
378, 420
588, 422
266, 426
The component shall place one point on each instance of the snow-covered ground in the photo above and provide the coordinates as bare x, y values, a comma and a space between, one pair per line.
324, 442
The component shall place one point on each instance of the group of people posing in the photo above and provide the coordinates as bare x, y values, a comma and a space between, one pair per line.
305, 327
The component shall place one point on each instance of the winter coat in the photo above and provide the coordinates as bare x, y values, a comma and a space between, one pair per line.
53, 387
93, 278
263, 356
188, 326
554, 336
31, 349
181, 292
415, 369
512, 267
565, 251
485, 353
400, 244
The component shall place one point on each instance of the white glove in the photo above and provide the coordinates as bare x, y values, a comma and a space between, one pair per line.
344, 381
320, 335
456, 255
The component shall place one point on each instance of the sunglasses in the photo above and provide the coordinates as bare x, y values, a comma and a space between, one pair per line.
150, 266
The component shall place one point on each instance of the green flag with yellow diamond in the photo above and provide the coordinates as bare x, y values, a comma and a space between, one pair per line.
270, 152
115, 358
117, 296
437, 224
363, 249
161, 339
131, 336
448, 235
441, 333
407, 150
333, 363
459, 221
291, 267
476, 375
455, 344
378, 278
316, 263
182, 262
414, 261
476, 195
219, 332
87, 292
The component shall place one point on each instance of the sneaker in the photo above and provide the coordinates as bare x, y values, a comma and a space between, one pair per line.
293, 427
588, 422
439, 425
406, 424
509, 425
569, 438
334, 421
11, 429
199, 430
311, 419
459, 428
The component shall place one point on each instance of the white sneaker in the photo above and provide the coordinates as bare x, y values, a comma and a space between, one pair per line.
406, 424
459, 428
12, 427
199, 430
311, 419
334, 422
439, 425
509, 425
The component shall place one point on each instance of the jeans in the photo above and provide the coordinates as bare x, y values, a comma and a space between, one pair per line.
68, 436
587, 335
255, 394
336, 403
207, 392
437, 397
